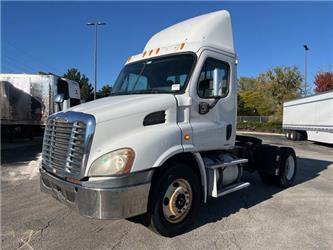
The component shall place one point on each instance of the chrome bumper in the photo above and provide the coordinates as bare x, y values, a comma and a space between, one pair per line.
99, 203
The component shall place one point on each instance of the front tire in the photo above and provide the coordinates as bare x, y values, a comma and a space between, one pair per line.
175, 200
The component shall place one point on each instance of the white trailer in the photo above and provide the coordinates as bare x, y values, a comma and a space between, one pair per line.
309, 118
165, 140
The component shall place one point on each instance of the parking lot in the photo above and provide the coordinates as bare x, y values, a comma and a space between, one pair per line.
260, 217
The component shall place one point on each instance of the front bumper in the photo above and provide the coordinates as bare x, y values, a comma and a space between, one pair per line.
100, 203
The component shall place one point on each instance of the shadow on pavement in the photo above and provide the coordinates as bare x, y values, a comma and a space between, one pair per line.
217, 209
16, 154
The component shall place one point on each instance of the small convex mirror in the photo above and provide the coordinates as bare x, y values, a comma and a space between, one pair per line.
59, 98
217, 82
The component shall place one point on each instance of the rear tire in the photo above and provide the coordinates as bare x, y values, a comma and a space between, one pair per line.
287, 169
288, 134
175, 200
294, 135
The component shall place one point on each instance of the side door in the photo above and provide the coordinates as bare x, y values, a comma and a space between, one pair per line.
216, 128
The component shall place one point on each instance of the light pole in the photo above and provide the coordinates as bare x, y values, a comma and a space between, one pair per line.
306, 48
96, 24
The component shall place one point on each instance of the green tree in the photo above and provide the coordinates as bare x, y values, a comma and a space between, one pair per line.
247, 83
282, 84
254, 98
265, 94
86, 89
104, 91
255, 103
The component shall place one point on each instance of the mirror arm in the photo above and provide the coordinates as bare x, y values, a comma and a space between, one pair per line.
215, 102
204, 107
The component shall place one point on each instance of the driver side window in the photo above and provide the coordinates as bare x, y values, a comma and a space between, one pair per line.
205, 84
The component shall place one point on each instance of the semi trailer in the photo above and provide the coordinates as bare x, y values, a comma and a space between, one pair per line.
27, 101
309, 118
165, 140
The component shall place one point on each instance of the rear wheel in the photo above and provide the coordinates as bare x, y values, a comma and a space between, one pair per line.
288, 134
287, 169
175, 200
295, 135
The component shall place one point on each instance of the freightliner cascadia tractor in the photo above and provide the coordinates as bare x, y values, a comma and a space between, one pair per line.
165, 140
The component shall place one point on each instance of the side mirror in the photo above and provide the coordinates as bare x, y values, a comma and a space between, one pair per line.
217, 82
58, 99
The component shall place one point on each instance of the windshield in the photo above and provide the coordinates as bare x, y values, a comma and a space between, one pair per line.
161, 75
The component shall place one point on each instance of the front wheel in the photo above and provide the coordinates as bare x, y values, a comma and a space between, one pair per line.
175, 200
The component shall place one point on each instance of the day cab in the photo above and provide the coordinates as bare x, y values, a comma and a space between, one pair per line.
165, 140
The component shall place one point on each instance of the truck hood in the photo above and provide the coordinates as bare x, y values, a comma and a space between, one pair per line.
114, 107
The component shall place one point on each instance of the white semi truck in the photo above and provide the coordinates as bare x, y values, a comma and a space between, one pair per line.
27, 101
309, 118
166, 139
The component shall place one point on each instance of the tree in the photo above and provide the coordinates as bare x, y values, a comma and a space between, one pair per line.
283, 84
255, 103
323, 82
247, 83
86, 89
104, 91
265, 94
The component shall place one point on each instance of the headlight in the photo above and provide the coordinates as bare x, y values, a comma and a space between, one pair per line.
113, 163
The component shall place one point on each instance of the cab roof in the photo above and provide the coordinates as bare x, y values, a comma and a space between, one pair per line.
209, 30
213, 29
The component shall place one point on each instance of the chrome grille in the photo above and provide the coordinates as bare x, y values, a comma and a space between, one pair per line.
63, 146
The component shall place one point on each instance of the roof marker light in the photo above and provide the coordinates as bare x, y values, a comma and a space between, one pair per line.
129, 58
157, 50
181, 46
150, 52
144, 54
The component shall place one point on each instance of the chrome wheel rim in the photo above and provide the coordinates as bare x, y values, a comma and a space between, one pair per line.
290, 167
177, 201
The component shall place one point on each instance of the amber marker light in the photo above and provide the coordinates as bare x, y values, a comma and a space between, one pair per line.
144, 54
157, 50
150, 52
187, 137
181, 46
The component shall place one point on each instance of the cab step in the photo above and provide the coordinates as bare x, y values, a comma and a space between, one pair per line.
227, 164
230, 189
219, 163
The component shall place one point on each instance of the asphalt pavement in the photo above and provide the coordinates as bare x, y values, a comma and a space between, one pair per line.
259, 217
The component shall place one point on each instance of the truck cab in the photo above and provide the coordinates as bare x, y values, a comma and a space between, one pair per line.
165, 140
66, 94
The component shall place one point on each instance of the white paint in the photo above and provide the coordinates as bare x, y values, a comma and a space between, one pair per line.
313, 114
212, 28
119, 119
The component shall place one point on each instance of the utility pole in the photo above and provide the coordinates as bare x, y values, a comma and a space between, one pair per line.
96, 24
306, 48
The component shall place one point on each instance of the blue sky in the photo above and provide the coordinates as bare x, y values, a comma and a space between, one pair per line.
52, 36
